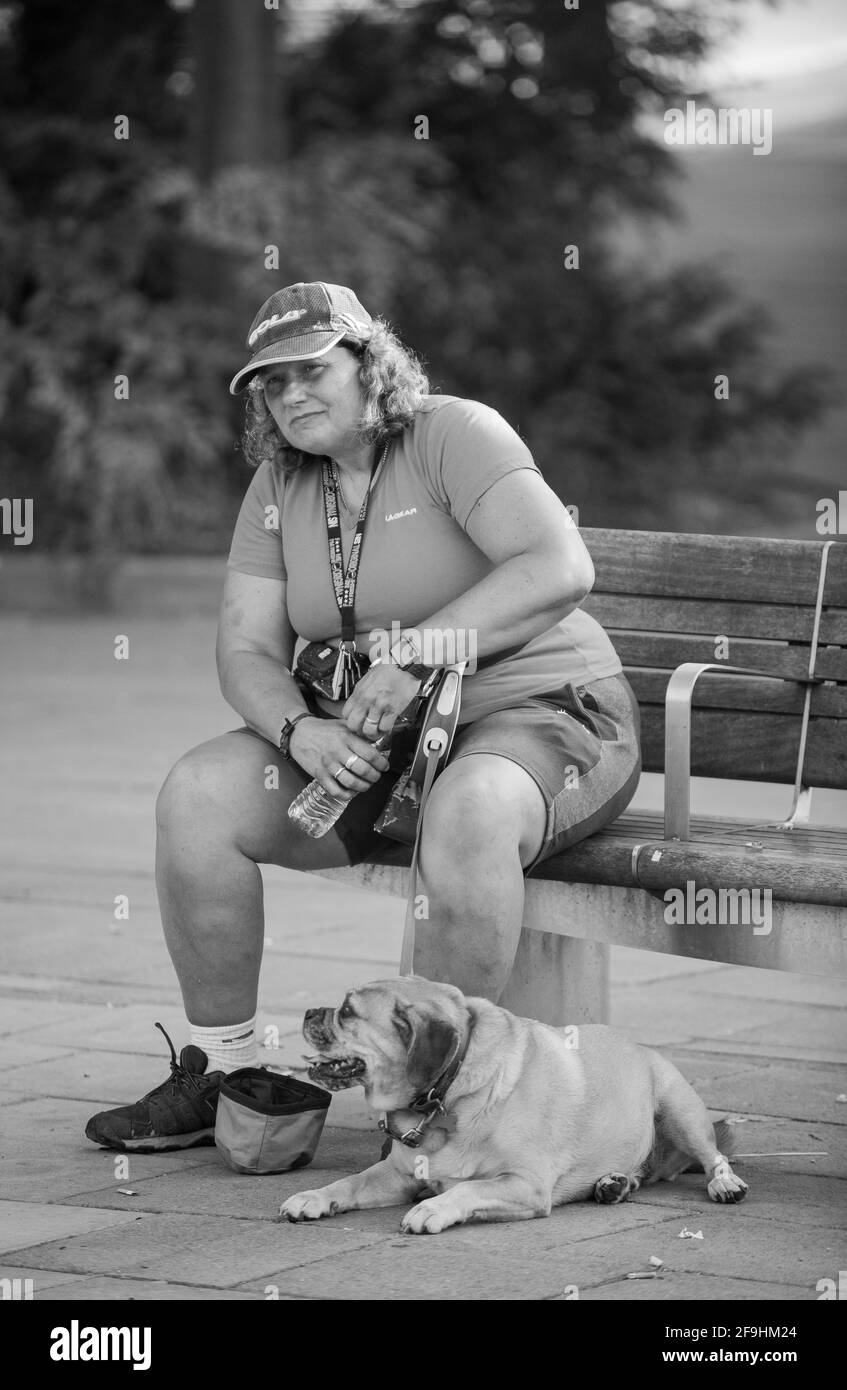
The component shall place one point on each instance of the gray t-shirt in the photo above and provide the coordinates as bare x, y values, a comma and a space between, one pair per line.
416, 555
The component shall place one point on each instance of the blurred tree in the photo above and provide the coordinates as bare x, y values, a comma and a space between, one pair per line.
537, 141
539, 116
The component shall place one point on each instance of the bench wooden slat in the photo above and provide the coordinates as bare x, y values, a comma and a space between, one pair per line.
759, 693
642, 613
667, 652
807, 864
752, 747
742, 568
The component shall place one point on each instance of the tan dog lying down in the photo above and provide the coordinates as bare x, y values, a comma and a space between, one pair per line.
498, 1118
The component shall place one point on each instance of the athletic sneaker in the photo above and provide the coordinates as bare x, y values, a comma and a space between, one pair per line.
179, 1114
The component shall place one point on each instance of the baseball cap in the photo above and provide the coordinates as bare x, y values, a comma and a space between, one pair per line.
302, 321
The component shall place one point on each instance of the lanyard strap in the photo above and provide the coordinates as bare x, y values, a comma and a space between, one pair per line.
344, 581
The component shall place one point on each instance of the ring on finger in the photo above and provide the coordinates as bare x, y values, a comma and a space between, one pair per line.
350, 761
338, 772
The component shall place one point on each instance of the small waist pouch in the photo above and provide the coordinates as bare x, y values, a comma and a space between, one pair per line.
316, 665
267, 1123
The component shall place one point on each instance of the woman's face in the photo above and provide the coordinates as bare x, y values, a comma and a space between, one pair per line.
316, 404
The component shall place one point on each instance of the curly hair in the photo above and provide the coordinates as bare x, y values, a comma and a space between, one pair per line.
393, 383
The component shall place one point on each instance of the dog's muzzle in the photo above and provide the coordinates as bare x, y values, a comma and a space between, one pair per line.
334, 1073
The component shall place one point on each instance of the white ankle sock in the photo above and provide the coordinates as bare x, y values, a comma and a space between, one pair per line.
228, 1047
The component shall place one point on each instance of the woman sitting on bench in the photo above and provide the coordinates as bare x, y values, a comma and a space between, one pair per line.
409, 511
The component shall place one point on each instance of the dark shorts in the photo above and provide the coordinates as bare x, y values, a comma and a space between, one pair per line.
580, 744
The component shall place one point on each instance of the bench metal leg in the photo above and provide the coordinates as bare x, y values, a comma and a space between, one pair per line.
557, 979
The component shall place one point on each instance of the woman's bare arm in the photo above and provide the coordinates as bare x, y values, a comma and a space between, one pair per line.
255, 650
542, 568
542, 572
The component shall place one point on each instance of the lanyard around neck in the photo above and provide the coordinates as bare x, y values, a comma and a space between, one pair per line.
344, 581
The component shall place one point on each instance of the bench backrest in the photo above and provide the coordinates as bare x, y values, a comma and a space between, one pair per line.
665, 599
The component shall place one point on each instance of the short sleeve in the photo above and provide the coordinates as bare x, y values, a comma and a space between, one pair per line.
257, 539
469, 447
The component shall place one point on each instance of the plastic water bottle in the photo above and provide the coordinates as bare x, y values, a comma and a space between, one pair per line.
316, 810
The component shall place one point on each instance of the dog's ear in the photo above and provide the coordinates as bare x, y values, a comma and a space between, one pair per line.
434, 1039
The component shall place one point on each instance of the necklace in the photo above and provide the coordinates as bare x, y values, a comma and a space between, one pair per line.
351, 511
345, 504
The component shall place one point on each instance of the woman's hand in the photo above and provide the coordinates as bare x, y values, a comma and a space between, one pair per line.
342, 761
383, 692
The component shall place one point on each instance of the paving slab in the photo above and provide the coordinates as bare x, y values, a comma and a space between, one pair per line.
803, 1198
663, 1013
701, 1064
80, 1289
102, 1078
41, 1278
45, 1157
293, 907
30, 1223
734, 1246
378, 949
292, 983
42, 1016
59, 989
630, 967
743, 982
219, 1252
425, 1268
85, 943
131, 1028
799, 1091
818, 1034
22, 1049
680, 1287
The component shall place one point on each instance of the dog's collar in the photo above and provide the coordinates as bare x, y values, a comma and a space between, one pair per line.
429, 1103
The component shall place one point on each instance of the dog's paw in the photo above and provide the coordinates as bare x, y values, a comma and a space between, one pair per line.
307, 1206
726, 1186
612, 1188
428, 1218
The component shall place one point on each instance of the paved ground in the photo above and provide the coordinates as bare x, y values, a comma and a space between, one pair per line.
79, 992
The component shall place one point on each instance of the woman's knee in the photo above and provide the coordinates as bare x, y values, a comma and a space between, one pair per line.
233, 793
483, 807
205, 783
469, 811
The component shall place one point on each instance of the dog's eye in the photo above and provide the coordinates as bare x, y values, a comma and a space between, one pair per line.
345, 1012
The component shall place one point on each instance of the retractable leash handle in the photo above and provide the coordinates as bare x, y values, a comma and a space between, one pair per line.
433, 750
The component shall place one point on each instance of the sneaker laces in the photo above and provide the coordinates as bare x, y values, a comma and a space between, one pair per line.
179, 1073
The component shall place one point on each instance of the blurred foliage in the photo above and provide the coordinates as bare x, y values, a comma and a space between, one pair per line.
117, 260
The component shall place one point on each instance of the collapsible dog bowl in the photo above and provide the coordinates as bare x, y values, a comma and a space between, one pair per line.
267, 1123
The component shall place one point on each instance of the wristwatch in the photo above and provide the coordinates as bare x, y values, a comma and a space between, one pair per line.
407, 655
287, 730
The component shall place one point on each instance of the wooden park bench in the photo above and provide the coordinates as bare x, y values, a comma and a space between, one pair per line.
737, 651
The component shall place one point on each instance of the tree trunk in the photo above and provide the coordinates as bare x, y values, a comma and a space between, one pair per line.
236, 116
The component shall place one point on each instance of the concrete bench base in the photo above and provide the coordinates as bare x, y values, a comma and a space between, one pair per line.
561, 970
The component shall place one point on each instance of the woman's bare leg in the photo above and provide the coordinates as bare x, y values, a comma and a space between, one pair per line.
485, 821
217, 820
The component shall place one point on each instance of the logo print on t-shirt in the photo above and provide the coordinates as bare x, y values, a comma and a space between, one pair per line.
394, 516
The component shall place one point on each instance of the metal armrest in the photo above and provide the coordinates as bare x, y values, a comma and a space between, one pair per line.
678, 698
